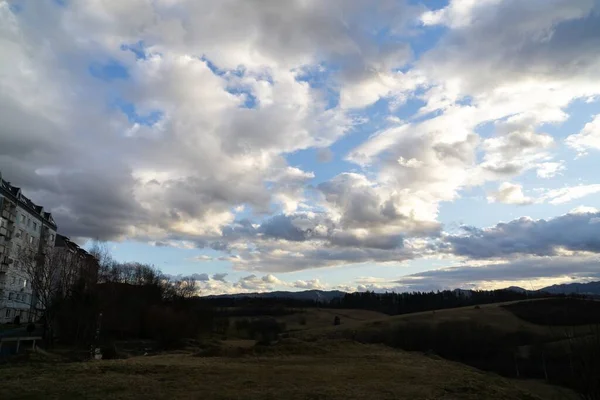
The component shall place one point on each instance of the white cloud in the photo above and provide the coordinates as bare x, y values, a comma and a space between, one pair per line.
587, 139
207, 99
509, 193
550, 169
202, 257
313, 284
570, 193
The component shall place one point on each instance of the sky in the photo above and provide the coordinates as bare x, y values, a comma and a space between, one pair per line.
305, 144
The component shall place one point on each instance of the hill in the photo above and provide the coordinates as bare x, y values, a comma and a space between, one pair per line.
590, 289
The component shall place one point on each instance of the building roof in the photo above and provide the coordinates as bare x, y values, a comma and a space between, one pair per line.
65, 242
13, 192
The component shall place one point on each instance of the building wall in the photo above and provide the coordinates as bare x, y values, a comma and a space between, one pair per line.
29, 229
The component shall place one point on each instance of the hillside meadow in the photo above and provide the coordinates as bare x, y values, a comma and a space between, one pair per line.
289, 370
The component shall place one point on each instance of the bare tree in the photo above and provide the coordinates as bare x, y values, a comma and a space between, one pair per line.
52, 275
185, 287
101, 252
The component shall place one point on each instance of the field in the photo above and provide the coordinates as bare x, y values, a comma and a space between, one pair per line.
316, 360
291, 370
497, 317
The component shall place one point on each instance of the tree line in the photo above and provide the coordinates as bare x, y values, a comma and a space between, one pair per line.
404, 303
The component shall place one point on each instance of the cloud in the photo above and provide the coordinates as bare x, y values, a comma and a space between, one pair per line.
258, 284
509, 193
569, 193
516, 148
165, 136
219, 277
527, 272
587, 139
550, 169
313, 284
200, 106
525, 236
202, 257
200, 277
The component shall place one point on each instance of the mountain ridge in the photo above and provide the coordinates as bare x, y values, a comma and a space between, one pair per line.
589, 288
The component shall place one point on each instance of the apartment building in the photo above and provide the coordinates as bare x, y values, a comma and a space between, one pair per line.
80, 267
23, 224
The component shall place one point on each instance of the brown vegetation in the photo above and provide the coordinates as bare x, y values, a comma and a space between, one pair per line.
290, 370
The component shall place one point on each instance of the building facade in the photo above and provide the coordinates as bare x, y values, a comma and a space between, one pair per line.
80, 267
23, 225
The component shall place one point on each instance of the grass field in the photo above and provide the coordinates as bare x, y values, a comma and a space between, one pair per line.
292, 370
315, 360
496, 316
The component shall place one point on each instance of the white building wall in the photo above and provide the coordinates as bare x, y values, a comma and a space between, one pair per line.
16, 294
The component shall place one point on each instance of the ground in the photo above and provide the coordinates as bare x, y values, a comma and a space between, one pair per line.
495, 316
293, 370
315, 360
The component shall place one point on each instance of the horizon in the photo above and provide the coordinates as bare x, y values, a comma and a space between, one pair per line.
306, 145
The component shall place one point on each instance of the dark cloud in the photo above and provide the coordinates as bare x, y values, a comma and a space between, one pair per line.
200, 277
525, 270
219, 277
561, 41
575, 232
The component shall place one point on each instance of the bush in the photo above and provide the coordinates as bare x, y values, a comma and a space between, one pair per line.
110, 352
169, 327
265, 330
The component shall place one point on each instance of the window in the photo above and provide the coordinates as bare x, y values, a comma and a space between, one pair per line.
28, 222
18, 297
11, 295
21, 233
8, 313
31, 239
35, 226
51, 238
22, 218
14, 280
24, 283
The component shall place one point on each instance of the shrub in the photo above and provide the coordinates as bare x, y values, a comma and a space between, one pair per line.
265, 330
168, 326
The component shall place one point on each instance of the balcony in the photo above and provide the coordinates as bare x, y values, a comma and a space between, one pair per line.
9, 216
5, 233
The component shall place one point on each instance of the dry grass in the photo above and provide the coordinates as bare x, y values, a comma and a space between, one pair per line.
323, 318
334, 370
493, 315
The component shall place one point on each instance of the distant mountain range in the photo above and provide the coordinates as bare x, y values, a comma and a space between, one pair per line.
590, 289
325, 296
